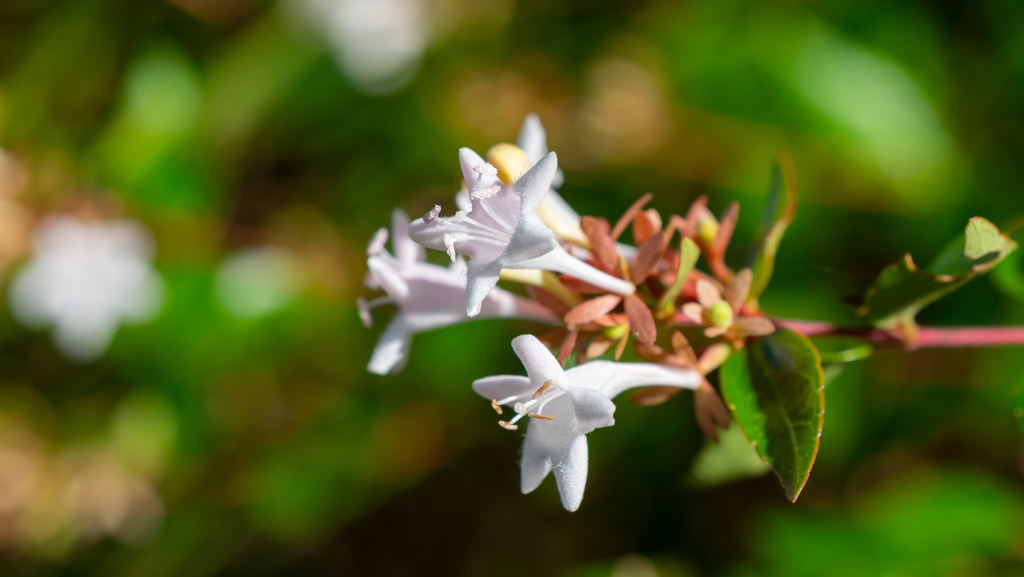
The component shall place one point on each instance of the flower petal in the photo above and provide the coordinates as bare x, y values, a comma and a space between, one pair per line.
406, 250
534, 467
429, 234
504, 386
592, 409
383, 270
533, 140
571, 473
531, 239
480, 279
545, 443
532, 186
392, 349
540, 364
473, 171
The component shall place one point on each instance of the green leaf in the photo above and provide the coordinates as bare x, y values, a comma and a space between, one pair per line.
778, 213
902, 289
731, 459
775, 389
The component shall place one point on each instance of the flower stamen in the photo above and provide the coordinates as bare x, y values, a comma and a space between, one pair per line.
495, 406
485, 193
433, 214
486, 169
541, 417
508, 426
449, 245
543, 389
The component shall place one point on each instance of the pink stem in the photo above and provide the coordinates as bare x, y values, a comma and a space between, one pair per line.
925, 338
962, 337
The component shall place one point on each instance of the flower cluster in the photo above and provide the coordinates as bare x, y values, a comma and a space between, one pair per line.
600, 293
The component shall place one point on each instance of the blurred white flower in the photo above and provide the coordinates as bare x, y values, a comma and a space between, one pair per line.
257, 281
85, 280
377, 43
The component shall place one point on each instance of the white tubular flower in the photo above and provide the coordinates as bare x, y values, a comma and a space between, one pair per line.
85, 280
554, 210
564, 406
428, 296
503, 230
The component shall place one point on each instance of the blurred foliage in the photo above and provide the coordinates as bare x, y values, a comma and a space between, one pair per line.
239, 434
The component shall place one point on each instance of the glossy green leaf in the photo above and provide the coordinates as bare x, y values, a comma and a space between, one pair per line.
778, 213
775, 389
902, 289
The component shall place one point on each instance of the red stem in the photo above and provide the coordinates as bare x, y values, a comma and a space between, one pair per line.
925, 338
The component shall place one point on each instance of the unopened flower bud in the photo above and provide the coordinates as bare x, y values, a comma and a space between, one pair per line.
510, 161
707, 230
617, 332
720, 315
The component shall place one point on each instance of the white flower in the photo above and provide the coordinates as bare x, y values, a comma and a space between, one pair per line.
533, 140
377, 43
561, 218
566, 405
503, 231
85, 280
428, 296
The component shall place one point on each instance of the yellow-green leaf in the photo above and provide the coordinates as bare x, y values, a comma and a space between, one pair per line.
902, 289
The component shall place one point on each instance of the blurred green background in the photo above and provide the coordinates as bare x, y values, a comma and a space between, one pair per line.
238, 433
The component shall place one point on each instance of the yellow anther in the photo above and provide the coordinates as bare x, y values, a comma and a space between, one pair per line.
543, 389
508, 425
495, 406
541, 417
